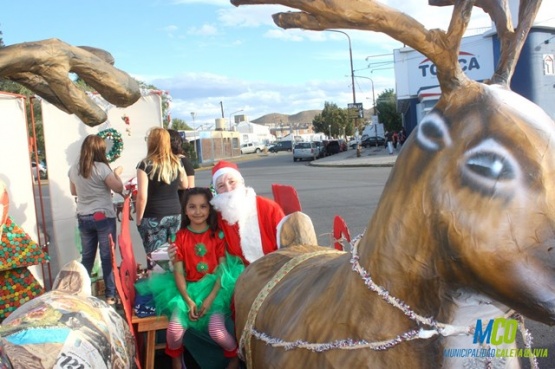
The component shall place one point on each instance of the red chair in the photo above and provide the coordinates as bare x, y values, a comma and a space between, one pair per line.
286, 196
340, 233
125, 277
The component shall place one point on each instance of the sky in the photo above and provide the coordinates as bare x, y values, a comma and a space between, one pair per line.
213, 57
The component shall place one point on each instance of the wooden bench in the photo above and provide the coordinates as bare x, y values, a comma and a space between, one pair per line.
150, 325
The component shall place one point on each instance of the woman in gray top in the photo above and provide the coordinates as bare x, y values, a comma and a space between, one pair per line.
92, 180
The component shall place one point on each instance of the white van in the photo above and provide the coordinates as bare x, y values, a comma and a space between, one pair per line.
252, 148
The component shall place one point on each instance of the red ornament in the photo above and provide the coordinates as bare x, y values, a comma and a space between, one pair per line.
127, 122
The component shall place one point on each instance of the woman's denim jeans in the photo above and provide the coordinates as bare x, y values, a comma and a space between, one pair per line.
94, 234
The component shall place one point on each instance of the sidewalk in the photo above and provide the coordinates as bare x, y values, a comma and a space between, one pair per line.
369, 157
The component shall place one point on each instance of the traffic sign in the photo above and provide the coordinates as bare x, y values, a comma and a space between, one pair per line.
358, 107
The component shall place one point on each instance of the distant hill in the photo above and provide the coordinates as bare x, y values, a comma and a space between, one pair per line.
306, 116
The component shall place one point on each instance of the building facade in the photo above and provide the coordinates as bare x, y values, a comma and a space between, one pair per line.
418, 89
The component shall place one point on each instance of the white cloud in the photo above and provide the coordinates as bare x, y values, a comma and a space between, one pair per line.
205, 2
202, 93
171, 28
283, 35
204, 30
249, 16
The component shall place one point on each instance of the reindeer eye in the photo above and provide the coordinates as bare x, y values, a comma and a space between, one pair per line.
433, 132
490, 165
490, 168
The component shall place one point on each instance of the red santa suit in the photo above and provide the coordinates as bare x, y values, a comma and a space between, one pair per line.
255, 235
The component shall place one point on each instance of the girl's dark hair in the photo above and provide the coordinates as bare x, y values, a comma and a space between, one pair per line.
93, 149
176, 142
212, 215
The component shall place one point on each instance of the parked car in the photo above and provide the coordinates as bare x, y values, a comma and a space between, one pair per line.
342, 145
372, 141
333, 147
353, 143
321, 149
252, 147
281, 146
325, 143
305, 150
39, 170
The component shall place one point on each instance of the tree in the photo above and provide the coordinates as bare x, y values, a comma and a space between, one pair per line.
332, 117
387, 111
165, 103
180, 125
82, 85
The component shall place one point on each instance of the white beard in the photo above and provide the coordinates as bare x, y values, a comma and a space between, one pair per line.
239, 206
232, 204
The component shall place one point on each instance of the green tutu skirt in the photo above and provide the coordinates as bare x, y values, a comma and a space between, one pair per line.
168, 300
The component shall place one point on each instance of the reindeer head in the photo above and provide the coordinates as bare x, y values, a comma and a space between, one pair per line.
477, 177
486, 169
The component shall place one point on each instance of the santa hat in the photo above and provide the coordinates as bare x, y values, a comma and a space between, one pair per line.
224, 167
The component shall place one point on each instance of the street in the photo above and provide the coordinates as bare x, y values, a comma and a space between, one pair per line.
352, 193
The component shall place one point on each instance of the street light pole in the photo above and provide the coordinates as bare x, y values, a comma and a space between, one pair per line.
351, 59
373, 95
230, 115
193, 116
352, 78
374, 106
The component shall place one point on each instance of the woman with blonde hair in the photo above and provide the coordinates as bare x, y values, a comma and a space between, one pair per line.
159, 176
91, 179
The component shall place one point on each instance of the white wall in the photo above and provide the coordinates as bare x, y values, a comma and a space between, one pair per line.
252, 132
63, 135
15, 166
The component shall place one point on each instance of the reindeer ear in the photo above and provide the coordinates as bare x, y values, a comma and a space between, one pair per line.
433, 132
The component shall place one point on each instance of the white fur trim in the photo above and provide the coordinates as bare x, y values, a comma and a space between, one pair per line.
223, 171
249, 229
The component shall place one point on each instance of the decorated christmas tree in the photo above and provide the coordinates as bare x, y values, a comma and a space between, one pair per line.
17, 252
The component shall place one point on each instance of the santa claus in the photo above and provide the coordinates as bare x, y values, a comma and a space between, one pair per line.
249, 221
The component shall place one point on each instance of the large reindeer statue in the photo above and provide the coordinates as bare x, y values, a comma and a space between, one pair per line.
464, 230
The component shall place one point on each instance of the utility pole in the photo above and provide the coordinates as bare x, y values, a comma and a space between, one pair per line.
351, 60
352, 79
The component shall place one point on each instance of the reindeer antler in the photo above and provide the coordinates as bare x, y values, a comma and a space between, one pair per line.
511, 40
439, 46
43, 67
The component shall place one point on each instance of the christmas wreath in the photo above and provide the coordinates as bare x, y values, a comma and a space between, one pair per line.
117, 143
